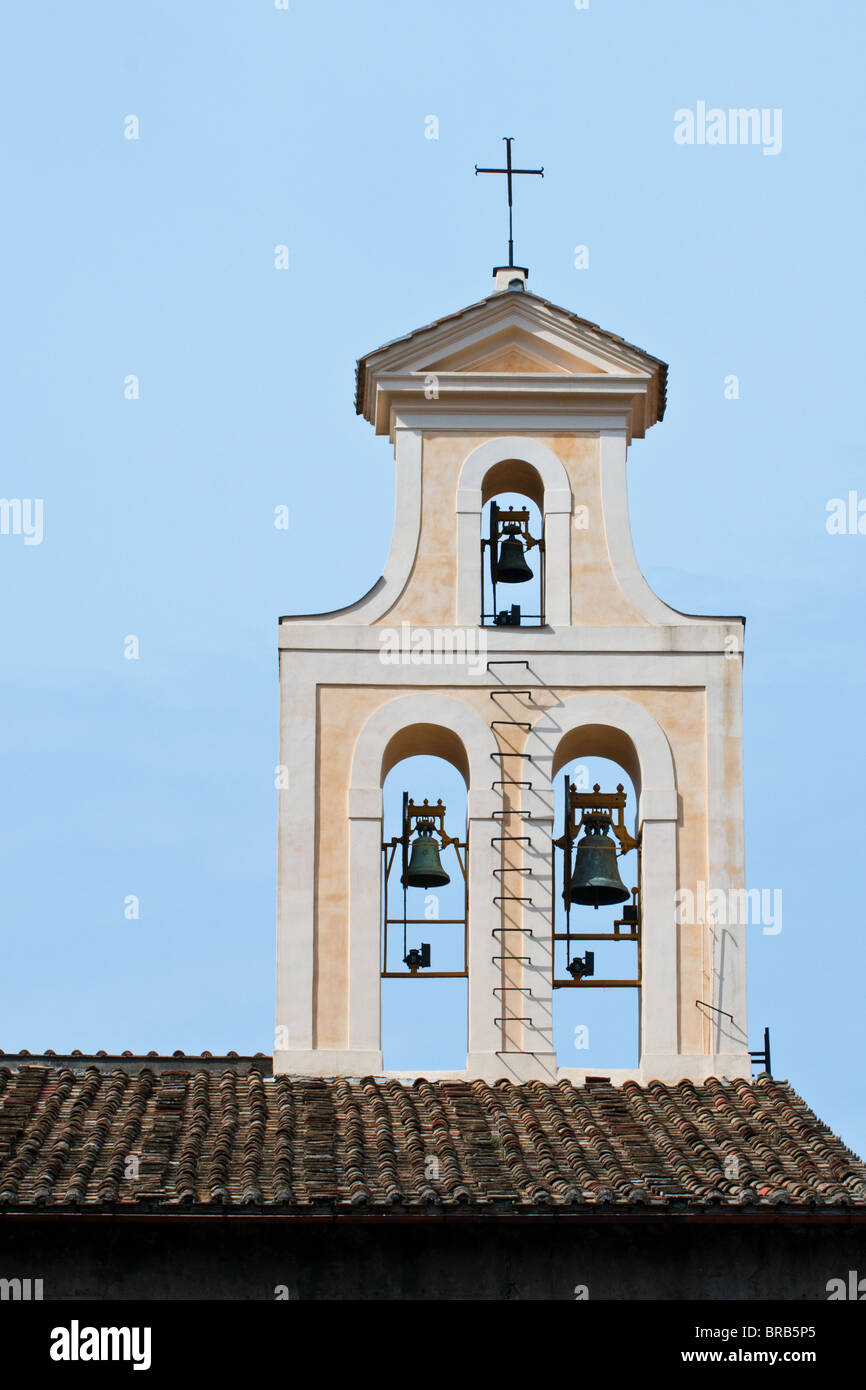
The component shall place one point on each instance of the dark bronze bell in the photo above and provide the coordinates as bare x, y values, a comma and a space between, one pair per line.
425, 870
512, 567
596, 881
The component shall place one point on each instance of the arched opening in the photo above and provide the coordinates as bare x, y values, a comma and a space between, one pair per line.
596, 1025
512, 546
425, 1006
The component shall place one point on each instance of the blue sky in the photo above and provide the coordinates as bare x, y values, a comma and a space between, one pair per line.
155, 257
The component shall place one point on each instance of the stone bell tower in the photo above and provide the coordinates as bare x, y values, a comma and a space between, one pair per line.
511, 395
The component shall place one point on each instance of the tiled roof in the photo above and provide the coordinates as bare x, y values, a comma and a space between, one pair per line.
222, 1132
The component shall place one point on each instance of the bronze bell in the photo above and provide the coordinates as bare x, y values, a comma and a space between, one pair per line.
596, 881
512, 567
425, 870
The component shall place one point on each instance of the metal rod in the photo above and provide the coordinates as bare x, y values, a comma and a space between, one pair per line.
594, 936
596, 984
566, 873
428, 975
542, 569
434, 921
405, 867
703, 1002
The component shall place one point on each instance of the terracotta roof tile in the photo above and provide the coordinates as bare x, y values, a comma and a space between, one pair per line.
132, 1136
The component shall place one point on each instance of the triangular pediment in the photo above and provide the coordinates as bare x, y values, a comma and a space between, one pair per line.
512, 334
514, 351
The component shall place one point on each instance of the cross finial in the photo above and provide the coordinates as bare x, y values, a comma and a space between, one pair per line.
509, 171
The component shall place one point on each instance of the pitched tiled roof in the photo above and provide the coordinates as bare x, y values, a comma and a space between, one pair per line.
211, 1133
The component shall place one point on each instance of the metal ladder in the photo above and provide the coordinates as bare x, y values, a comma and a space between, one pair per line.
505, 1019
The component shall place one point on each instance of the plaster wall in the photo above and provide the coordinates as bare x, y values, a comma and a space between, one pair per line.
430, 596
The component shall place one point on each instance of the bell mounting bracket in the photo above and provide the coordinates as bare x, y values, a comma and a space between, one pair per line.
597, 807
511, 524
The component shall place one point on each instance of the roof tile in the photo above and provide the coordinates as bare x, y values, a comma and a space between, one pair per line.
227, 1135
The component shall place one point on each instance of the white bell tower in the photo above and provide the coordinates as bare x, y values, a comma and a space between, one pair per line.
512, 395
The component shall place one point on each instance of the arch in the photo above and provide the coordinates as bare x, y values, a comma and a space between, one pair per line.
513, 475
514, 450
609, 726
515, 460
426, 723
425, 740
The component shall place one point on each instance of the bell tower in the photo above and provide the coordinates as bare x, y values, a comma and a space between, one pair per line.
540, 643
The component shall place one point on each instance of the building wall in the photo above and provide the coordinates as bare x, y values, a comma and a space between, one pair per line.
428, 1258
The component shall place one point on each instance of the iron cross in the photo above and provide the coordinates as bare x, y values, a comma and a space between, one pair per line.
508, 171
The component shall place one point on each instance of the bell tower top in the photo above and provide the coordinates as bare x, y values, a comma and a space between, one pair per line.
512, 634
512, 354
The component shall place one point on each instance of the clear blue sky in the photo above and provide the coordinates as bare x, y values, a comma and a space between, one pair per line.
155, 257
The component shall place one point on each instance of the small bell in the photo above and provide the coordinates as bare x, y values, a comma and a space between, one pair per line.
596, 881
512, 567
425, 869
